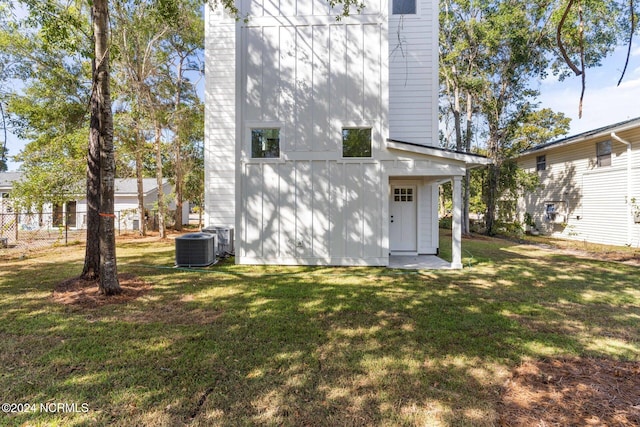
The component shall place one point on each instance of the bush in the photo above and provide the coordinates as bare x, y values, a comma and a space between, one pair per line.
445, 222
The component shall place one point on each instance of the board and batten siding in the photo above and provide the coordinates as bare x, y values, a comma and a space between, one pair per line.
413, 75
292, 66
595, 199
220, 119
311, 76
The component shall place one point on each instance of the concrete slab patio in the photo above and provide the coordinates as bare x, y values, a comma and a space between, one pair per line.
418, 262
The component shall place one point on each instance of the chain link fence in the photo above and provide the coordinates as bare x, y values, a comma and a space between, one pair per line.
21, 232
25, 231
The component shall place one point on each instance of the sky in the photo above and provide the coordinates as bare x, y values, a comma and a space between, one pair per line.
604, 104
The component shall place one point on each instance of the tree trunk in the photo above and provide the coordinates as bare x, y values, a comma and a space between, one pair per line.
491, 188
178, 189
101, 106
178, 143
141, 216
91, 269
466, 197
161, 206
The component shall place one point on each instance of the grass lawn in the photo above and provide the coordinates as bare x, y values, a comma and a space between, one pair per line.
245, 345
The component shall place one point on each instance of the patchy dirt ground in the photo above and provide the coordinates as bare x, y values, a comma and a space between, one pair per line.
572, 392
85, 293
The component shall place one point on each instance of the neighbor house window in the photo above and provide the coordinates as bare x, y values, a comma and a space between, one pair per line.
356, 142
404, 7
603, 153
541, 163
57, 219
265, 143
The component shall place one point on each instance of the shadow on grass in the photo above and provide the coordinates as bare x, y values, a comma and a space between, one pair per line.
309, 346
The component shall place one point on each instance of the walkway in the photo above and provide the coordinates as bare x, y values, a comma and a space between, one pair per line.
418, 262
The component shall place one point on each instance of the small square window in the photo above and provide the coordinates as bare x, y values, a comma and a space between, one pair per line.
603, 153
404, 7
356, 142
265, 143
541, 163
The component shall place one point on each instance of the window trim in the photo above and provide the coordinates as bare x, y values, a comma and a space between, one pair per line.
349, 127
250, 127
606, 155
415, 13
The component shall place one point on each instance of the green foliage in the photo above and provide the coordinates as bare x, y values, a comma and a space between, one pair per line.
445, 222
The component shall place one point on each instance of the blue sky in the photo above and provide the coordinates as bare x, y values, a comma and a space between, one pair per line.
604, 102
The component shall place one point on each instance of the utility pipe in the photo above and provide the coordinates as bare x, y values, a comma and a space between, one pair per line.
629, 188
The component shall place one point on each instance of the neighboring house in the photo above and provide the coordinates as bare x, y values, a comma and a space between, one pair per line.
6, 185
590, 185
321, 136
75, 211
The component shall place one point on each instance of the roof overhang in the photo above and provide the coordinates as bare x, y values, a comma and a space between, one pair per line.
469, 159
603, 132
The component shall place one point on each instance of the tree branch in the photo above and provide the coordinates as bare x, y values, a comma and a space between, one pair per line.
633, 28
559, 39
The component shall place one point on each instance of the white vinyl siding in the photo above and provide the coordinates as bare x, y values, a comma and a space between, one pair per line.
220, 120
595, 198
413, 75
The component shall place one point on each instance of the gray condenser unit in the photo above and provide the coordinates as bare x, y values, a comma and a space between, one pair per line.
225, 239
196, 250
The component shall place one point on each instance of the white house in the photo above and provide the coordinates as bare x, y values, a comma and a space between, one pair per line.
75, 211
590, 185
321, 135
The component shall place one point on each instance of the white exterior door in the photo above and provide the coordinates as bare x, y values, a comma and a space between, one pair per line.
403, 219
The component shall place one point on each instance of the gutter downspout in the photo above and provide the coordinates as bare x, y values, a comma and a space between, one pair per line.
629, 188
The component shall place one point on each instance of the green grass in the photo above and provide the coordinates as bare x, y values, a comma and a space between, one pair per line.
242, 345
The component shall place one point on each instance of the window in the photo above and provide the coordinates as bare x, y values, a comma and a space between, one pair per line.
57, 219
5, 204
603, 153
403, 194
541, 163
356, 142
404, 7
265, 143
71, 214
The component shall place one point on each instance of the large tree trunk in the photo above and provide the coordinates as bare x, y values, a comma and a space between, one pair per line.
91, 269
101, 105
